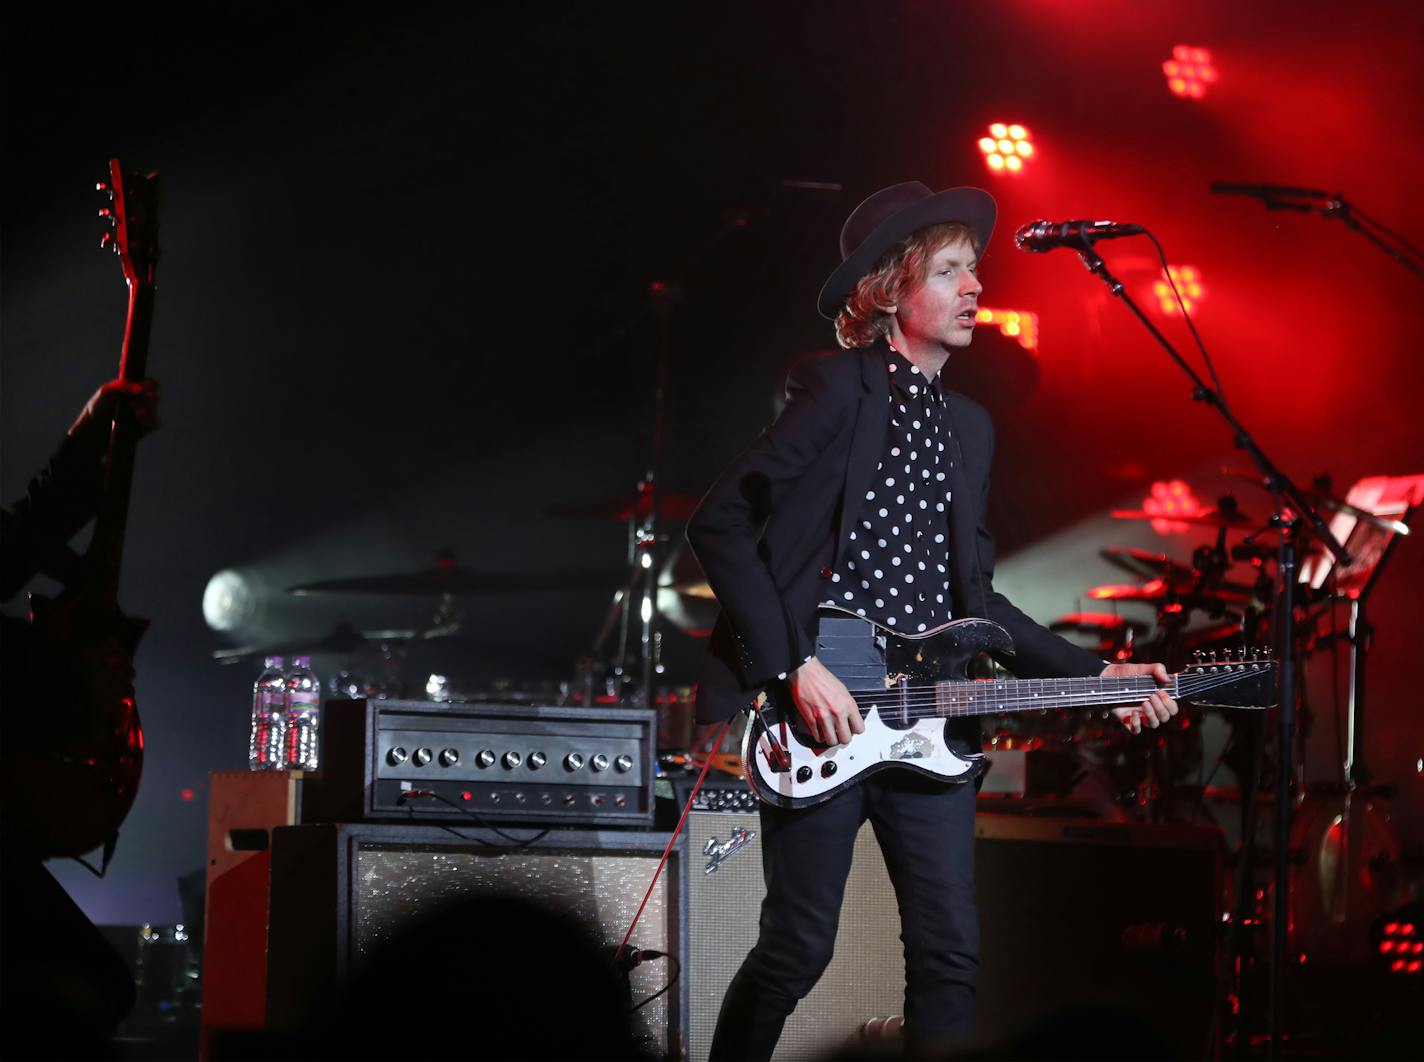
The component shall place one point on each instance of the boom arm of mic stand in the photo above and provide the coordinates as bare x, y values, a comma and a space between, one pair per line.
1340, 208
1278, 482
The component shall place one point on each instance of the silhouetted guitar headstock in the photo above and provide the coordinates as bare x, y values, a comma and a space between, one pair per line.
133, 221
1234, 679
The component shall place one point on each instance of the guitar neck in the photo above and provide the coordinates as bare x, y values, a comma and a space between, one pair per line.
106, 549
957, 699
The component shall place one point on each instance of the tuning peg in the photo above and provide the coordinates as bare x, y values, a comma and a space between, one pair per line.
105, 240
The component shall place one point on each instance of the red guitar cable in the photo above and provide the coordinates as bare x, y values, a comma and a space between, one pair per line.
717, 744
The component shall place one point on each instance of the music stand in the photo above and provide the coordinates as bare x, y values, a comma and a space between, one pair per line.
1393, 500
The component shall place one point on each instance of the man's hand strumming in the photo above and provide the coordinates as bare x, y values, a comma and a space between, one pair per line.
826, 706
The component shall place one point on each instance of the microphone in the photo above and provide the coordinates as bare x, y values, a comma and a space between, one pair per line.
1039, 236
1268, 191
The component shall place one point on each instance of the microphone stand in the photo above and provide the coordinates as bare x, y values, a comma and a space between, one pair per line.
1338, 207
1302, 518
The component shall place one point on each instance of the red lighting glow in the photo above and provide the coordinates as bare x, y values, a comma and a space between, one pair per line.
467, 795
1386, 946
1170, 498
1016, 324
1006, 149
1407, 930
186, 795
1189, 285
1189, 72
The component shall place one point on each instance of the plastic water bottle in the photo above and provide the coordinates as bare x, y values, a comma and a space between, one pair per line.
266, 746
303, 716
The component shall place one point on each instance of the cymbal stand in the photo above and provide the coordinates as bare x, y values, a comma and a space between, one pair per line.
1294, 514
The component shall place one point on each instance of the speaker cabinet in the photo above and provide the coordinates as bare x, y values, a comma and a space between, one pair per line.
339, 890
866, 977
1116, 917
243, 808
1074, 914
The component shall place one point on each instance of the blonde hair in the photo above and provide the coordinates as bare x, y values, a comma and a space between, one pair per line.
900, 270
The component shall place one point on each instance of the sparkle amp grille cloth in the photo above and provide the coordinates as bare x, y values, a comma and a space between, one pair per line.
866, 977
394, 884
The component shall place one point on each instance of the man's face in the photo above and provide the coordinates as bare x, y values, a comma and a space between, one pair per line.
941, 310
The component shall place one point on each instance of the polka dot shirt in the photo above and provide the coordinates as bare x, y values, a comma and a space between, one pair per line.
896, 566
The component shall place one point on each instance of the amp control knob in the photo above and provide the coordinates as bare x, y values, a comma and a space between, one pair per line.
485, 758
537, 760
623, 763
599, 762
397, 756
512, 760
449, 757
422, 757
573, 762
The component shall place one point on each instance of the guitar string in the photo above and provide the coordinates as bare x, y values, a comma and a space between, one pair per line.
1018, 701
961, 709
930, 708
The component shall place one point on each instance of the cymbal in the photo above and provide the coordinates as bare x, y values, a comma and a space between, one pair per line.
1205, 518
1157, 590
433, 582
698, 590
621, 507
1096, 622
1147, 564
1325, 500
343, 638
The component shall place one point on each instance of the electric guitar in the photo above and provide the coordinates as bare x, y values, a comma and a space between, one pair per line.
909, 687
77, 789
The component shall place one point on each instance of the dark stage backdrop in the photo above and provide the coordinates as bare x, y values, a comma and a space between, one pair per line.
404, 295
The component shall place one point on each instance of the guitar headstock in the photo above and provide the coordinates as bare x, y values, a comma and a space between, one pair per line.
133, 221
1236, 678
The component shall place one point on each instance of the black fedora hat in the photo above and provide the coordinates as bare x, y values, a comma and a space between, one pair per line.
886, 218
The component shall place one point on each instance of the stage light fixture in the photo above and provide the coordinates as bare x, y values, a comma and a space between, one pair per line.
228, 601
1396, 941
1170, 498
1007, 148
1189, 72
1016, 324
1189, 285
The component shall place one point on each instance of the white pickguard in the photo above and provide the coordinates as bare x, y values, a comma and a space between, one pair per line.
921, 746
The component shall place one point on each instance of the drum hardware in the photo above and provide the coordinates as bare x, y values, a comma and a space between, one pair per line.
676, 508
1115, 634
448, 579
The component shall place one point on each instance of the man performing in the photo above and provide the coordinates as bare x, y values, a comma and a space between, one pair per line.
869, 493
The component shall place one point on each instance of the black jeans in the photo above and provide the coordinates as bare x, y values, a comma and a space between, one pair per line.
926, 831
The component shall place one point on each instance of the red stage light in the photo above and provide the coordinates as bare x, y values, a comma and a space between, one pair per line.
1170, 498
1189, 71
1386, 946
1397, 966
1189, 286
186, 795
1391, 928
1407, 929
1005, 148
1017, 324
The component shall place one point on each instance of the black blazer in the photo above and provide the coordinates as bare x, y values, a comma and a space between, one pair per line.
776, 523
